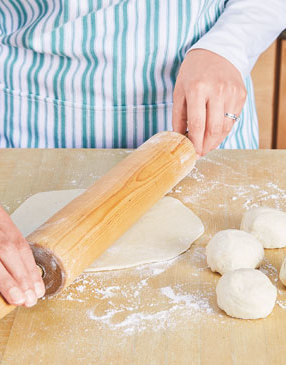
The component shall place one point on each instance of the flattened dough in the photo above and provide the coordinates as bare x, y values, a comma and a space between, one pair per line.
165, 231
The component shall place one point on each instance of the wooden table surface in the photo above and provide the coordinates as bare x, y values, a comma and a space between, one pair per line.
163, 313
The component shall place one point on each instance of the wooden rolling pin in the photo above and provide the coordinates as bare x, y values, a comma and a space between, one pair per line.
67, 243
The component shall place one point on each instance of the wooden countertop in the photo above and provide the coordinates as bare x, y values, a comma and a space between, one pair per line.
163, 313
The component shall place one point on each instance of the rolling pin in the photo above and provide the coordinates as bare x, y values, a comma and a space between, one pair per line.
68, 242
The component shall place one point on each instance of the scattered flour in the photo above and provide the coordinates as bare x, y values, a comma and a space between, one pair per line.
268, 269
178, 303
130, 308
203, 183
194, 301
143, 303
124, 307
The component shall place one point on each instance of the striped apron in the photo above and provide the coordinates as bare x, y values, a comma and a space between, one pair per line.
99, 73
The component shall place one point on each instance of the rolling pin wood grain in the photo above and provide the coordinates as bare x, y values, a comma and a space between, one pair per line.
75, 236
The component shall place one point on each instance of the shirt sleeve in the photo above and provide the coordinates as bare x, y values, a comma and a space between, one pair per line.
244, 30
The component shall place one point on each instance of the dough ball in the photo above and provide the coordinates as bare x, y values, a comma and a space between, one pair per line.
246, 293
233, 249
267, 225
282, 275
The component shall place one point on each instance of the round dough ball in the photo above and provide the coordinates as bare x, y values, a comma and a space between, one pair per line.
233, 249
282, 275
268, 225
246, 293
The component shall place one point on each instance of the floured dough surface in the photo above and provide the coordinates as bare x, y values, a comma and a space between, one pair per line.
233, 249
268, 225
165, 231
246, 294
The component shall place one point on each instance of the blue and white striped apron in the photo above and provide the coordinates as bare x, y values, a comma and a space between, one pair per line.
99, 73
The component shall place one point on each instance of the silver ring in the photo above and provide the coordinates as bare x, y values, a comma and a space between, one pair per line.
232, 116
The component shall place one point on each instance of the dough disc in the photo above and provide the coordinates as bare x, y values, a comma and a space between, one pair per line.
165, 231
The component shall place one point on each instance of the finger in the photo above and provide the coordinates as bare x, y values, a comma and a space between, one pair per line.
234, 106
32, 269
227, 127
196, 107
28, 262
214, 124
9, 288
179, 114
13, 263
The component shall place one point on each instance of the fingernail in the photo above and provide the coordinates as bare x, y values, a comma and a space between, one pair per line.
40, 290
16, 296
31, 298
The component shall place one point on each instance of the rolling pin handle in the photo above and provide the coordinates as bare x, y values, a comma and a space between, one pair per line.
51, 268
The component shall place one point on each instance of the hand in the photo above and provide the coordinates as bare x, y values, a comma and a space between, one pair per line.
207, 86
20, 279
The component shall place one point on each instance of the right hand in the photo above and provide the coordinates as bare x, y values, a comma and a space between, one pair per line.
207, 87
20, 279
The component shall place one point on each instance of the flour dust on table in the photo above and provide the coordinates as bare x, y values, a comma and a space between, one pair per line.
165, 231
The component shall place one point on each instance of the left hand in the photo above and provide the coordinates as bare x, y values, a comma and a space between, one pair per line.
207, 87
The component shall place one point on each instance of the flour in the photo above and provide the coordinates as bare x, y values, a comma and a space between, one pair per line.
249, 196
130, 308
178, 302
71, 297
199, 259
269, 270
181, 301
195, 301
198, 191
149, 300
197, 175
201, 184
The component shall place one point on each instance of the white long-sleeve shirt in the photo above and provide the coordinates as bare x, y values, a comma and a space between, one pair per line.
244, 30
101, 73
